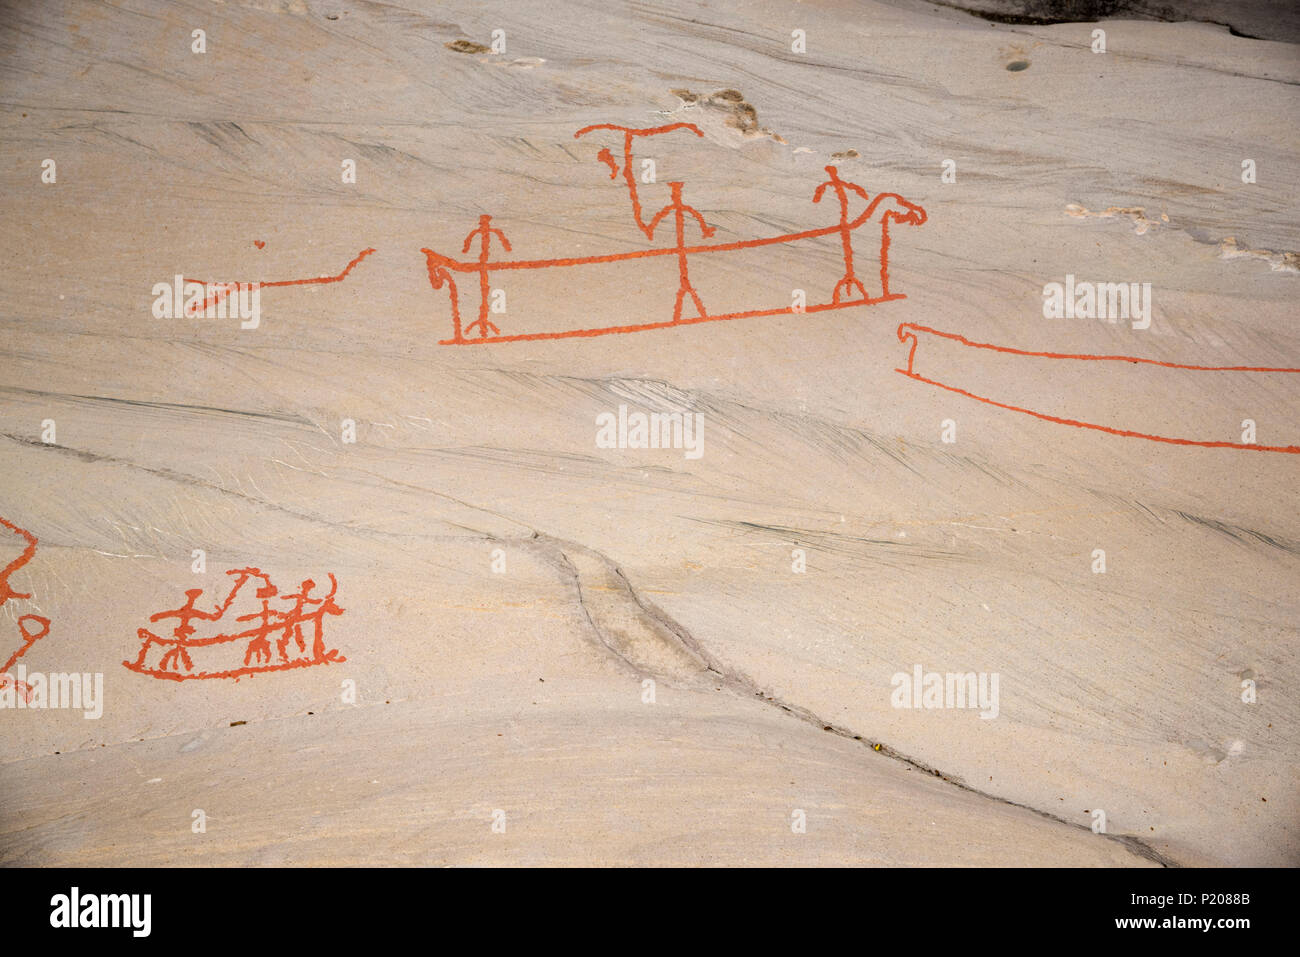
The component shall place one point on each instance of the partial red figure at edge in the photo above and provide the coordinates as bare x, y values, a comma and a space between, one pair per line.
31, 627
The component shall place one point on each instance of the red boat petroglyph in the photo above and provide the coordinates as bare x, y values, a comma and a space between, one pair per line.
242, 644
885, 208
909, 331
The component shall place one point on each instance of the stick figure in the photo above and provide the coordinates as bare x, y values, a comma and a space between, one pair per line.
850, 280
186, 613
485, 231
679, 211
260, 644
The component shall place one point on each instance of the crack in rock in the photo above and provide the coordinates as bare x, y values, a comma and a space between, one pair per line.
649, 642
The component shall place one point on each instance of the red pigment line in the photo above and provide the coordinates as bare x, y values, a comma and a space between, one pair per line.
669, 324
146, 635
1096, 358
635, 254
331, 658
6, 592
640, 131
297, 282
1290, 449
662, 251
226, 288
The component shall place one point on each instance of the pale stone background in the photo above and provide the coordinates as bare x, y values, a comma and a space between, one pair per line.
522, 691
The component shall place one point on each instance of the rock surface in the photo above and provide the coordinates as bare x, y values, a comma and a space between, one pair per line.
508, 586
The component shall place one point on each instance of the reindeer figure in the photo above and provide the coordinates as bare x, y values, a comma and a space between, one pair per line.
679, 211
485, 233
898, 210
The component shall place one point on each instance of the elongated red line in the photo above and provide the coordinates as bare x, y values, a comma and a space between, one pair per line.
641, 253
1095, 358
667, 324
224, 289
235, 673
1290, 449
297, 282
640, 131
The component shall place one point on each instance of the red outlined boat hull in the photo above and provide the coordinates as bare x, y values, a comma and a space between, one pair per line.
911, 331
884, 209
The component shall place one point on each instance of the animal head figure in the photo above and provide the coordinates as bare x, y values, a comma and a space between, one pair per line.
894, 209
